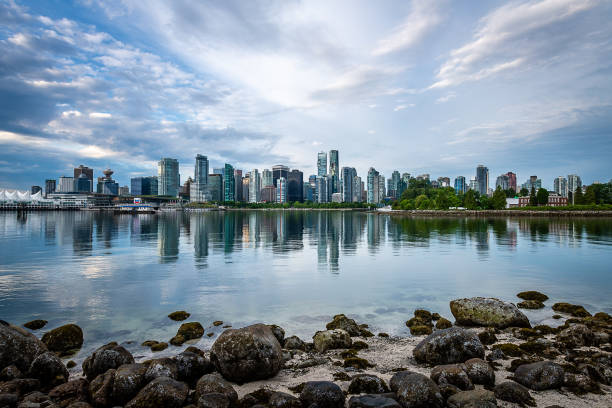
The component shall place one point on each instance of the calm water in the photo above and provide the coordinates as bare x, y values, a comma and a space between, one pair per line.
119, 276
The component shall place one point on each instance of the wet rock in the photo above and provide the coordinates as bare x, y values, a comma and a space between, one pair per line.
383, 334
18, 347
213, 400
509, 349
357, 362
423, 314
217, 323
70, 392
574, 310
447, 390
454, 345
187, 331
372, 401
577, 335
415, 390
580, 384
192, 366
294, 343
283, 400
452, 374
324, 394
331, 339
109, 356
247, 354
533, 295
473, 398
480, 372
71, 364
159, 346
496, 354
514, 392
101, 389
161, 392
35, 324
8, 400
257, 397
195, 350
49, 369
530, 304
539, 376
161, 367
129, 379
35, 397
179, 315
20, 386
214, 383
78, 404
10, 373
443, 323
342, 322
64, 339
278, 332
491, 312
367, 384
420, 330
359, 345
487, 336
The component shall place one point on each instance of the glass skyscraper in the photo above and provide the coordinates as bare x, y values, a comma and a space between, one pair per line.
460, 185
334, 170
321, 164
229, 187
168, 177
482, 178
199, 185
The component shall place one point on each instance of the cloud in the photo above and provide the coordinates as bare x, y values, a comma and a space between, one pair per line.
100, 115
446, 98
402, 107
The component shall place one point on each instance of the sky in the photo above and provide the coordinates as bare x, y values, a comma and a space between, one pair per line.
417, 86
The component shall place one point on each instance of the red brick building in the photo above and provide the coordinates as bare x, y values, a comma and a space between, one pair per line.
553, 201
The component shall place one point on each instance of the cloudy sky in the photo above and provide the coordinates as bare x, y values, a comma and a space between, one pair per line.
419, 86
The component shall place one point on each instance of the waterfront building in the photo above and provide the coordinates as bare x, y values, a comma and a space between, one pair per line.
573, 182
106, 185
312, 180
279, 171
82, 184
560, 186
198, 188
394, 184
35, 189
512, 181
534, 182
66, 184
336, 198
254, 186
219, 170
238, 185
482, 178
124, 191
268, 194
229, 188
215, 187
474, 185
406, 178
309, 192
334, 171
357, 190
444, 181
143, 185
281, 190
323, 189
185, 190
376, 186
502, 181
321, 164
347, 184
460, 185
89, 173
295, 186
168, 177
245, 187
50, 185
554, 200
266, 178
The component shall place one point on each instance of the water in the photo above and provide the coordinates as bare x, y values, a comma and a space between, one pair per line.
119, 276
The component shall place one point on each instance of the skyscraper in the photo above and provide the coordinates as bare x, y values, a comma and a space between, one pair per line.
50, 186
533, 182
215, 187
245, 187
373, 186
357, 189
512, 180
254, 186
573, 182
334, 170
321, 164
106, 184
323, 187
279, 171
82, 184
199, 185
281, 190
168, 177
295, 186
66, 184
482, 178
266, 178
460, 186
238, 185
395, 184
143, 185
560, 186
502, 181
347, 185
88, 173
229, 187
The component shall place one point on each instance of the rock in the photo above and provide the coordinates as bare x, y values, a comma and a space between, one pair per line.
496, 354
260, 396
447, 390
129, 379
161, 367
64, 339
71, 364
192, 366
357, 362
452, 374
101, 389
217, 323
187, 331
78, 404
574, 310
70, 392
35, 324
359, 345
283, 400
480, 372
414, 390
161, 392
581, 384
344, 323
367, 384
49, 369
454, 345
104, 358
35, 397
539, 376
18, 347
195, 350
420, 330
324, 394
443, 323
487, 336
577, 335
533, 295
10, 373
294, 343
247, 354
514, 392
472, 399
372, 401
509, 349
20, 386
383, 334
278, 332
213, 400
8, 400
491, 312
531, 304
331, 339
179, 315
423, 314
214, 383
159, 346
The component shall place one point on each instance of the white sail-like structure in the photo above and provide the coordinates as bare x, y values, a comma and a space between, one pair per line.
16, 197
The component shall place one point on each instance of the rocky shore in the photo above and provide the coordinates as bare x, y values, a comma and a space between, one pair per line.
490, 356
501, 213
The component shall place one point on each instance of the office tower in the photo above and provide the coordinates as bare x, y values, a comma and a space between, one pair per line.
560, 186
87, 171
106, 184
533, 182
219, 170
460, 186
66, 184
312, 180
279, 171
295, 186
245, 187
82, 184
309, 192
406, 179
381, 188
334, 171
50, 185
323, 189
254, 186
573, 182
229, 188
35, 190
374, 186
266, 178
347, 184
394, 184
198, 188
473, 185
321, 164
503, 181
390, 187
124, 191
168, 178
143, 185
268, 194
357, 189
215, 187
512, 181
423, 177
281, 190
443, 181
482, 178
238, 185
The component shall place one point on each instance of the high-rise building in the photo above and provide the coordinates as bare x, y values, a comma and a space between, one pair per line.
406, 178
229, 187
394, 184
321, 164
279, 171
347, 183
312, 180
266, 178
323, 187
512, 181
82, 184
560, 186
35, 190
482, 178
573, 182
474, 185
334, 171
533, 182
245, 187
254, 186
268, 194
238, 185
374, 188
106, 184
460, 186
295, 186
87, 171
309, 192
215, 187
198, 189
143, 185
357, 189
124, 191
168, 178
281, 190
50, 185
66, 184
503, 181
444, 181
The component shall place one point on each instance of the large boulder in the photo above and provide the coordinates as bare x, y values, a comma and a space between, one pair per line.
129, 379
18, 347
324, 394
372, 401
70, 392
161, 392
480, 372
101, 389
454, 345
247, 354
104, 358
415, 390
367, 384
514, 392
64, 339
294, 343
543, 375
19, 386
187, 331
577, 335
214, 383
331, 339
283, 400
489, 312
454, 374
340, 321
471, 399
161, 367
214, 400
49, 369
192, 366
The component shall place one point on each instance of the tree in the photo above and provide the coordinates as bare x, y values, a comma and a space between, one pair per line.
590, 197
499, 199
469, 200
485, 202
422, 202
542, 196
578, 197
510, 193
442, 202
533, 200
524, 192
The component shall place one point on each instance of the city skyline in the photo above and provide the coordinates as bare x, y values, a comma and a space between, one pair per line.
423, 87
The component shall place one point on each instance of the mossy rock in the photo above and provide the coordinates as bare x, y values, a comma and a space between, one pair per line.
149, 343
422, 314
509, 349
514, 364
179, 315
443, 323
435, 316
545, 329
420, 330
159, 346
64, 339
417, 321
487, 336
357, 362
603, 317
530, 304
382, 334
365, 333
178, 340
349, 353
360, 345
191, 330
210, 334
574, 310
556, 316
533, 295
532, 347
71, 364
217, 323
342, 376
35, 324
525, 333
